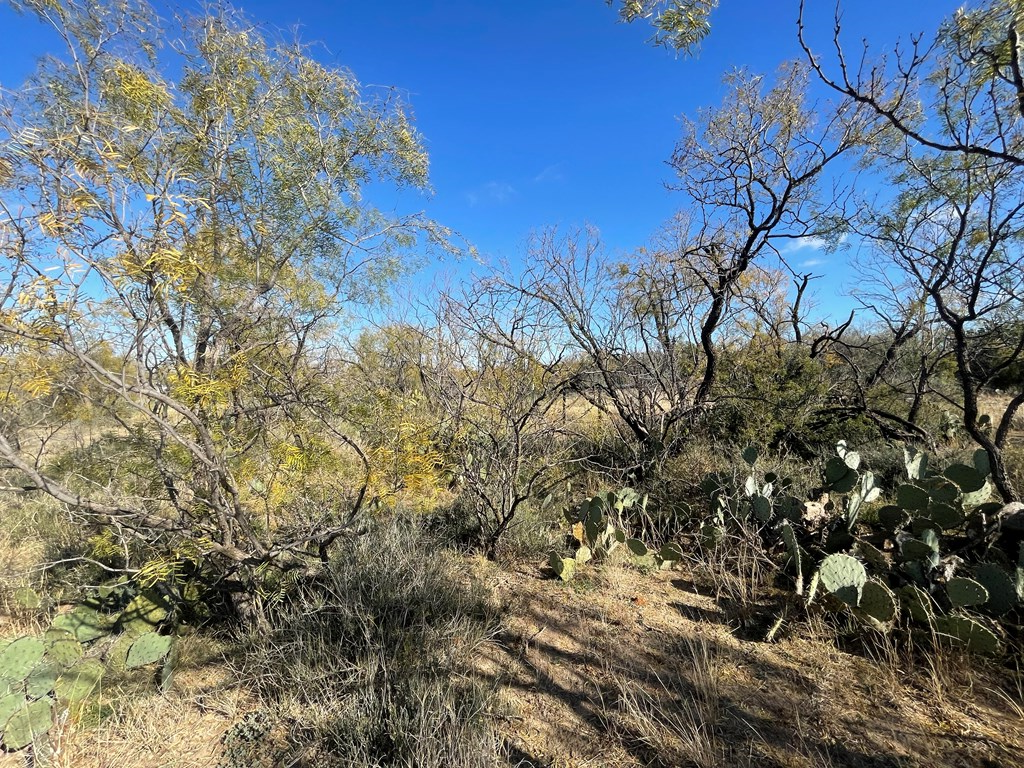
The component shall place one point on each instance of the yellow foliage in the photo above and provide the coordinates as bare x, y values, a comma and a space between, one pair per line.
406, 467
29, 373
103, 546
158, 570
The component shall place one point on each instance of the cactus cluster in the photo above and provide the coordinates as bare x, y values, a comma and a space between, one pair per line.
39, 674
596, 529
957, 600
761, 498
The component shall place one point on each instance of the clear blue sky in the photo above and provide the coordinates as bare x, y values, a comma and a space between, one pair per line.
541, 112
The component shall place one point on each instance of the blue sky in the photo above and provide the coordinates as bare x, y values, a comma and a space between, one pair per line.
547, 112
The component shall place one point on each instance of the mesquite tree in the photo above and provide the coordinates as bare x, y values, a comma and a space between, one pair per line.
953, 231
176, 254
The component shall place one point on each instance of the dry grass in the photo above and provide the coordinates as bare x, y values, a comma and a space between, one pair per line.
640, 670
672, 718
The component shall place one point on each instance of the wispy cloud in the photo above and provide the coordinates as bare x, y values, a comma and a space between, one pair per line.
813, 262
496, 192
810, 243
552, 174
804, 244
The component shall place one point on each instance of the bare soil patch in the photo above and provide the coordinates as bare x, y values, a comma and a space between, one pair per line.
633, 669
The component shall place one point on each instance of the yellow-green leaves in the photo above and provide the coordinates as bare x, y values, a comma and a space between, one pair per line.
678, 24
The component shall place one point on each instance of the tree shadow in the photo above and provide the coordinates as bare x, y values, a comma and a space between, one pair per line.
700, 696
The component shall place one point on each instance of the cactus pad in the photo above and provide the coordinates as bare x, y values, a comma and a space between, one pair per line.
941, 490
964, 592
969, 634
915, 549
143, 614
978, 497
878, 602
19, 658
564, 568
916, 463
839, 476
918, 604
28, 723
712, 535
910, 497
85, 624
762, 507
892, 517
671, 553
982, 464
967, 479
1002, 595
28, 598
792, 547
636, 547
80, 681
872, 555
64, 652
9, 704
946, 516
844, 577
42, 679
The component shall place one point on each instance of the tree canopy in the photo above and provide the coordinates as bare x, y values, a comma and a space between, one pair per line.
183, 229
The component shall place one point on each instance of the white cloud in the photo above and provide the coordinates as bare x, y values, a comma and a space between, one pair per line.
550, 175
809, 243
497, 192
804, 244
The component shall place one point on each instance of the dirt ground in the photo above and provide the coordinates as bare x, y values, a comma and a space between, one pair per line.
632, 669
623, 668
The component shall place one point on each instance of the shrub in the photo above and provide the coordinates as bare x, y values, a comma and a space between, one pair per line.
369, 665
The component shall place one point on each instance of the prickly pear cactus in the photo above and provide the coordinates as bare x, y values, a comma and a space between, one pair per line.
564, 567
918, 604
29, 722
64, 651
1002, 594
41, 680
670, 554
148, 649
879, 604
19, 659
636, 548
80, 681
86, 624
795, 555
143, 614
965, 593
966, 478
968, 633
844, 577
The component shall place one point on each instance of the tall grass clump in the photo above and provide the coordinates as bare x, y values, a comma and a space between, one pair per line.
370, 665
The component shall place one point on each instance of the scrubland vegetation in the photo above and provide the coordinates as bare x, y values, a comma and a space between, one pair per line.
642, 509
